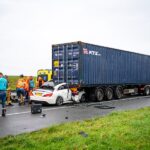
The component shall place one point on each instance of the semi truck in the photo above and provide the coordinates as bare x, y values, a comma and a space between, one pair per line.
100, 72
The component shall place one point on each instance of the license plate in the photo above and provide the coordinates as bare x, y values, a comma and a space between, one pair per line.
38, 94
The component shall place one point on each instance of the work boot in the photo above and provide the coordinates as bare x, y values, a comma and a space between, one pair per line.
9, 104
23, 101
3, 112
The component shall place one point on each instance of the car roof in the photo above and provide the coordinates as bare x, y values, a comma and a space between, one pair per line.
60, 85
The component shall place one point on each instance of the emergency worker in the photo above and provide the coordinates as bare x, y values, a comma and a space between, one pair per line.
20, 89
40, 82
31, 85
26, 88
8, 93
3, 88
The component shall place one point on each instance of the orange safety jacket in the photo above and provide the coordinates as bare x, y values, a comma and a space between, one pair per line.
26, 85
20, 83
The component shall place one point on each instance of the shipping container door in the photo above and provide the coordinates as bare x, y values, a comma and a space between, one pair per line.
72, 63
58, 66
66, 63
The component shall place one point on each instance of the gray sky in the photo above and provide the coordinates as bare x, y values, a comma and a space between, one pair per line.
28, 28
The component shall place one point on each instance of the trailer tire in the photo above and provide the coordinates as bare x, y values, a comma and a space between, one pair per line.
147, 91
109, 93
99, 93
118, 92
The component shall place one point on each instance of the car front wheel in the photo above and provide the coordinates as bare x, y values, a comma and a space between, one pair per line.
83, 99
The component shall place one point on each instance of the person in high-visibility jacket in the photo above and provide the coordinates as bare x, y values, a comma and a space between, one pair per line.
39, 82
8, 93
31, 85
20, 89
8, 100
26, 88
3, 88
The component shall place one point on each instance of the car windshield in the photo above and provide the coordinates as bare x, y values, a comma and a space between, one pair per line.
49, 85
43, 76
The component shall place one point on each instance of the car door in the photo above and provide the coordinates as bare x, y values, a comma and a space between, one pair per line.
64, 92
69, 93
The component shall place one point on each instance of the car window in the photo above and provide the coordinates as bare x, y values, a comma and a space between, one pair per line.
63, 87
66, 86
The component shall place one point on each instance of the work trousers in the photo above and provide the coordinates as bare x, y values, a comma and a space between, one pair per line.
3, 98
20, 91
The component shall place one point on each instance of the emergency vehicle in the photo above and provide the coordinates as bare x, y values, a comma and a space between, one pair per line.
45, 74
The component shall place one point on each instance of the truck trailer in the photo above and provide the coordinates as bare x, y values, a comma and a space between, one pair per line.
101, 72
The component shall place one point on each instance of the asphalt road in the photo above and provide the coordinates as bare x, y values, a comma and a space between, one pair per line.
20, 120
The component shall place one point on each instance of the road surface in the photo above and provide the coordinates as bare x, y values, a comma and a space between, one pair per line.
20, 120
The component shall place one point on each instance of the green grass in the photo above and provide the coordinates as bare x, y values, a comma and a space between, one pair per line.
13, 81
129, 130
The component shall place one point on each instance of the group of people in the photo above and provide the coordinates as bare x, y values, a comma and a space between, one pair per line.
24, 88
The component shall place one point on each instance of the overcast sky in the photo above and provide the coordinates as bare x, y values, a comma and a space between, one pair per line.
28, 28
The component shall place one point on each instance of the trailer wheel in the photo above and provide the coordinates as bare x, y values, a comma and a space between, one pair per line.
119, 92
99, 94
109, 93
147, 91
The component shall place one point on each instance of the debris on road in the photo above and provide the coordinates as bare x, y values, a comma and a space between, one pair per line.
36, 108
66, 117
43, 115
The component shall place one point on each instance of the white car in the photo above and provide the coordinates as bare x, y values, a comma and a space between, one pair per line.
52, 94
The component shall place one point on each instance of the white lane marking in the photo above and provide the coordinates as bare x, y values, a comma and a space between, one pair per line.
26, 112
79, 104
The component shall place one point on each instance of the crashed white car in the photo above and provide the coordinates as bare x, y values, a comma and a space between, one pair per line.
54, 94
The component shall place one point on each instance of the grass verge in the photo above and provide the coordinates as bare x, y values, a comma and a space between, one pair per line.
12, 82
118, 131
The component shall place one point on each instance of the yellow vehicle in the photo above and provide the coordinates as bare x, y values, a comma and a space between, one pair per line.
45, 74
